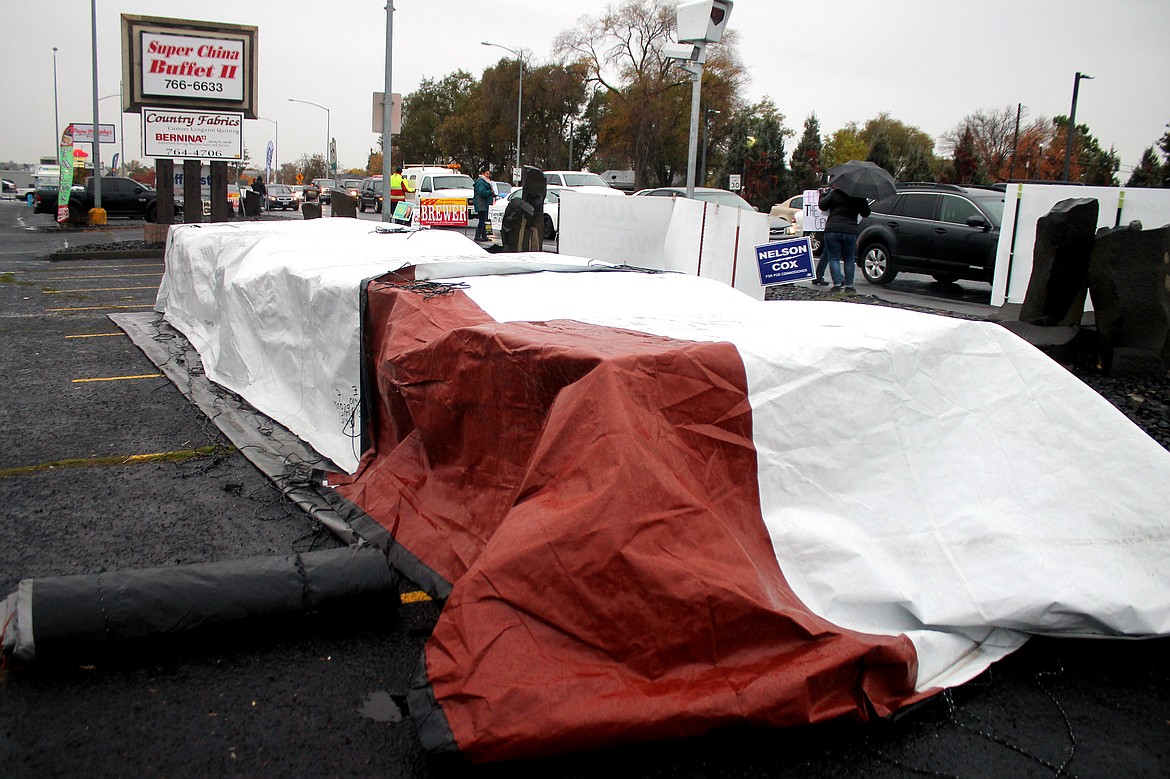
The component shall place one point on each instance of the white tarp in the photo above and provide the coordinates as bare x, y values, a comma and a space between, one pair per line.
273, 310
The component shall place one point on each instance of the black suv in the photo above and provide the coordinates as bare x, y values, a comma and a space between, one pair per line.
944, 230
370, 194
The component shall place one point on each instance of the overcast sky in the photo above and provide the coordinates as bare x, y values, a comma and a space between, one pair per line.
928, 63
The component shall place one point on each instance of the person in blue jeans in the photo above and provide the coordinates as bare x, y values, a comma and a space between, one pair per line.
841, 236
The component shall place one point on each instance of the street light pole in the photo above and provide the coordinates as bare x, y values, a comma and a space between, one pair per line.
706, 121
56, 113
97, 143
1072, 125
519, 94
328, 173
275, 144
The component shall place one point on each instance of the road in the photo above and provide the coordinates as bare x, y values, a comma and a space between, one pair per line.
82, 410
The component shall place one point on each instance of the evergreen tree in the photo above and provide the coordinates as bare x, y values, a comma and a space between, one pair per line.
880, 154
1148, 172
966, 165
918, 166
807, 170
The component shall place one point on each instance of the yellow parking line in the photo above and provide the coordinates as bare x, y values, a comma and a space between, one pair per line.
119, 459
95, 289
106, 276
417, 596
100, 308
94, 335
119, 378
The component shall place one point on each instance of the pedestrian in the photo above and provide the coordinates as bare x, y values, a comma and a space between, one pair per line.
483, 195
840, 237
399, 187
822, 266
259, 188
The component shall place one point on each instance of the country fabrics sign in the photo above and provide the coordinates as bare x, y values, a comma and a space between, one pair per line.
172, 133
784, 262
443, 212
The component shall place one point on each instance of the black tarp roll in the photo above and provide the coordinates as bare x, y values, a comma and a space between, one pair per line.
53, 611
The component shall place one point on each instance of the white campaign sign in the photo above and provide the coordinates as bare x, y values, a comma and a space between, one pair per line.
814, 217
175, 133
186, 66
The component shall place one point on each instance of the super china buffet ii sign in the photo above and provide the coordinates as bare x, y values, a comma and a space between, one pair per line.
189, 65
201, 68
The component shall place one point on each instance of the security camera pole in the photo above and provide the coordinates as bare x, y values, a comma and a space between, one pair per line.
699, 23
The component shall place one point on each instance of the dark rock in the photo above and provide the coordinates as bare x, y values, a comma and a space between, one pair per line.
1129, 281
1060, 263
523, 222
343, 204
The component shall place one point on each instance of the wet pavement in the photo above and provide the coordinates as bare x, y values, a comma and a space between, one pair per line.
322, 695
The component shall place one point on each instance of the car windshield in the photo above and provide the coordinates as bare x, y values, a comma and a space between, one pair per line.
724, 199
325, 182
351, 183
584, 180
453, 182
279, 189
993, 205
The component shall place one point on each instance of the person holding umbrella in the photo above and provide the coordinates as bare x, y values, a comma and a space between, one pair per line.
851, 186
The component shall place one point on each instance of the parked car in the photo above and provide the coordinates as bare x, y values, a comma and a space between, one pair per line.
370, 194
552, 208
943, 230
325, 189
778, 227
120, 197
350, 186
583, 180
280, 196
501, 188
792, 209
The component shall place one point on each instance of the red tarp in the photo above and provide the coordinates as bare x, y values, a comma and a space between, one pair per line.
591, 495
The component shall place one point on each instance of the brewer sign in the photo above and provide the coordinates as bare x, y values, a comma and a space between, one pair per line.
443, 212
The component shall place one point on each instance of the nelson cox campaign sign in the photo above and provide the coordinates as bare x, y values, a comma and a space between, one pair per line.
784, 262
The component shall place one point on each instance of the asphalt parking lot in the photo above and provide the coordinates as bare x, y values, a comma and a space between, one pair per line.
106, 465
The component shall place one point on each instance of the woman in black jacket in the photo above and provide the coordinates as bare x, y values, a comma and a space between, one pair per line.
841, 235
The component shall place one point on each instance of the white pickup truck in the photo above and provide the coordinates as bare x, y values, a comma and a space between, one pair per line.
445, 185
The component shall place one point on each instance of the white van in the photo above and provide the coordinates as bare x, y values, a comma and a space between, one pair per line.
438, 182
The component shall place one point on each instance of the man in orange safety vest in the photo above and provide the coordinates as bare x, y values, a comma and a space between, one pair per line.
398, 188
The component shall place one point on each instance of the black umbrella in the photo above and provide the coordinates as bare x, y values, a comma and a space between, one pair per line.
860, 178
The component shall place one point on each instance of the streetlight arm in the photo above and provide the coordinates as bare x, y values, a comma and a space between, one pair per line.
519, 93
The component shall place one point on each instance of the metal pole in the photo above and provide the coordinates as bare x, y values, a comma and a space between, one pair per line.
122, 128
696, 71
330, 172
97, 145
387, 112
1015, 142
56, 114
519, 101
570, 144
1072, 125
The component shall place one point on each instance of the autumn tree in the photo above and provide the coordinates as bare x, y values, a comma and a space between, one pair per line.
967, 165
646, 96
902, 142
992, 135
843, 145
807, 170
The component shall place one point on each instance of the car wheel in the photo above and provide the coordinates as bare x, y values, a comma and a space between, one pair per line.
549, 230
152, 213
817, 244
945, 278
876, 265
361, 206
378, 208
296, 207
